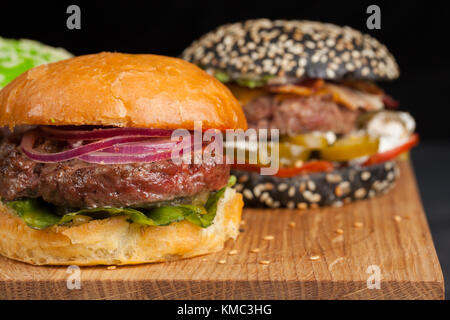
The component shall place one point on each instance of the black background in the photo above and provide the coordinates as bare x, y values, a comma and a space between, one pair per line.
417, 33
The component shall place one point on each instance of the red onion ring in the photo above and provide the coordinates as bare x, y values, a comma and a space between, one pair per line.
119, 149
97, 134
142, 147
30, 137
112, 158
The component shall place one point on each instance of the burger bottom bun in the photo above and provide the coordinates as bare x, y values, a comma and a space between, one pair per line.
116, 241
333, 188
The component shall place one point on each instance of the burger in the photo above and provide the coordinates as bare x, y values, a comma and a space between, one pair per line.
87, 168
17, 56
315, 83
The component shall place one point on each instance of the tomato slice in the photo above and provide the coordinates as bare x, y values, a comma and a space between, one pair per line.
308, 167
390, 102
393, 153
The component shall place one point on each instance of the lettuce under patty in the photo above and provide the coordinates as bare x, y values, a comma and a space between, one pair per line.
38, 214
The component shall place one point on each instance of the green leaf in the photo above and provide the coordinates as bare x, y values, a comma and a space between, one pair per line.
211, 203
253, 82
35, 213
222, 76
99, 213
40, 215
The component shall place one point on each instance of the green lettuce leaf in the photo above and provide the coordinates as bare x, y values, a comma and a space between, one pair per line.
222, 76
253, 83
38, 214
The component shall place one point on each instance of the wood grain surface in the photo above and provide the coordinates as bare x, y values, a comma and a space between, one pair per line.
314, 254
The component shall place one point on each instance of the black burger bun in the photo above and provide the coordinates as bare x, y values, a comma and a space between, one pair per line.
296, 49
334, 188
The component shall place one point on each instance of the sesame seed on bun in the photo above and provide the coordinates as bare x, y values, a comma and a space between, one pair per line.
297, 49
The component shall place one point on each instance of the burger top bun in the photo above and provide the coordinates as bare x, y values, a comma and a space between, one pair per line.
297, 49
123, 90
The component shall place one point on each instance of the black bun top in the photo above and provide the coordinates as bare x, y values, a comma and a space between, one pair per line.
262, 47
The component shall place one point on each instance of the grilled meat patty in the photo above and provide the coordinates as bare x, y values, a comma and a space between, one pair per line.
299, 114
77, 184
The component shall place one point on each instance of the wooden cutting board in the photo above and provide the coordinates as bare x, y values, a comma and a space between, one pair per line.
326, 253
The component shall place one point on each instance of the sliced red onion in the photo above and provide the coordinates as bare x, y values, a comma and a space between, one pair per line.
118, 149
177, 151
143, 147
96, 134
121, 158
114, 158
29, 138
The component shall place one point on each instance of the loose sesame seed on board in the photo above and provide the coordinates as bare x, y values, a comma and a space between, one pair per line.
358, 224
293, 48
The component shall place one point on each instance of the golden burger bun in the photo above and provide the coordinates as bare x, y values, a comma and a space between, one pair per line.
115, 241
123, 90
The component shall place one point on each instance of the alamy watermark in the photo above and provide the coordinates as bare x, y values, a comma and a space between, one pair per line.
74, 19
374, 280
74, 279
255, 147
374, 20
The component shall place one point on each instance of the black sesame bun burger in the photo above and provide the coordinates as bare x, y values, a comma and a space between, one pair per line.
316, 84
87, 172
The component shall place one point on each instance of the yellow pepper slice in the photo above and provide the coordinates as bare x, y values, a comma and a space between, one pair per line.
349, 148
292, 155
309, 140
289, 155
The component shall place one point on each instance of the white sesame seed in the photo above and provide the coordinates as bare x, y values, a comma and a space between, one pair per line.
248, 194
291, 191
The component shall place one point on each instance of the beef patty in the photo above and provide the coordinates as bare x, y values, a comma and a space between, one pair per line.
297, 114
79, 184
